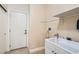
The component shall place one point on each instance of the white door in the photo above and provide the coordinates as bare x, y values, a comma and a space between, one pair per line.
17, 30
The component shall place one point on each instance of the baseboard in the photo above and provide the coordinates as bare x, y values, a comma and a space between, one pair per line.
36, 49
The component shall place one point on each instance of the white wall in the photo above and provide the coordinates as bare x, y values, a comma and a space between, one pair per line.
53, 25
37, 28
68, 27
3, 30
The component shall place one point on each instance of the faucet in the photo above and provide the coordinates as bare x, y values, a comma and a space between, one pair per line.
57, 35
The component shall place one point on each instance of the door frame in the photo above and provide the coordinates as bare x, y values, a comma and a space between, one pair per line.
27, 26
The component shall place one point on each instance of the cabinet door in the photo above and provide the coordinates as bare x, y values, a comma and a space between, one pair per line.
49, 52
49, 48
61, 51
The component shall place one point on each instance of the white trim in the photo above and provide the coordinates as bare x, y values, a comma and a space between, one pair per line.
36, 49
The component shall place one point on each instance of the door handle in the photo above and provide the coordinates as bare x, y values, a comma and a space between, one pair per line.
25, 31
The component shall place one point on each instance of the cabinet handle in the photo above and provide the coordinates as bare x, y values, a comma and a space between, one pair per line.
55, 53
52, 51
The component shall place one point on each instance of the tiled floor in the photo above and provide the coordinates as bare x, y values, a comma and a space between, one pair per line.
24, 51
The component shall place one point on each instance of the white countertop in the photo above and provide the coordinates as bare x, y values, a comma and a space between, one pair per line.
70, 46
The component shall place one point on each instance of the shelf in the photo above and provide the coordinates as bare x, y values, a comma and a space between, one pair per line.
74, 11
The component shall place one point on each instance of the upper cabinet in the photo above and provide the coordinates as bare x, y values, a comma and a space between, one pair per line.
74, 11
